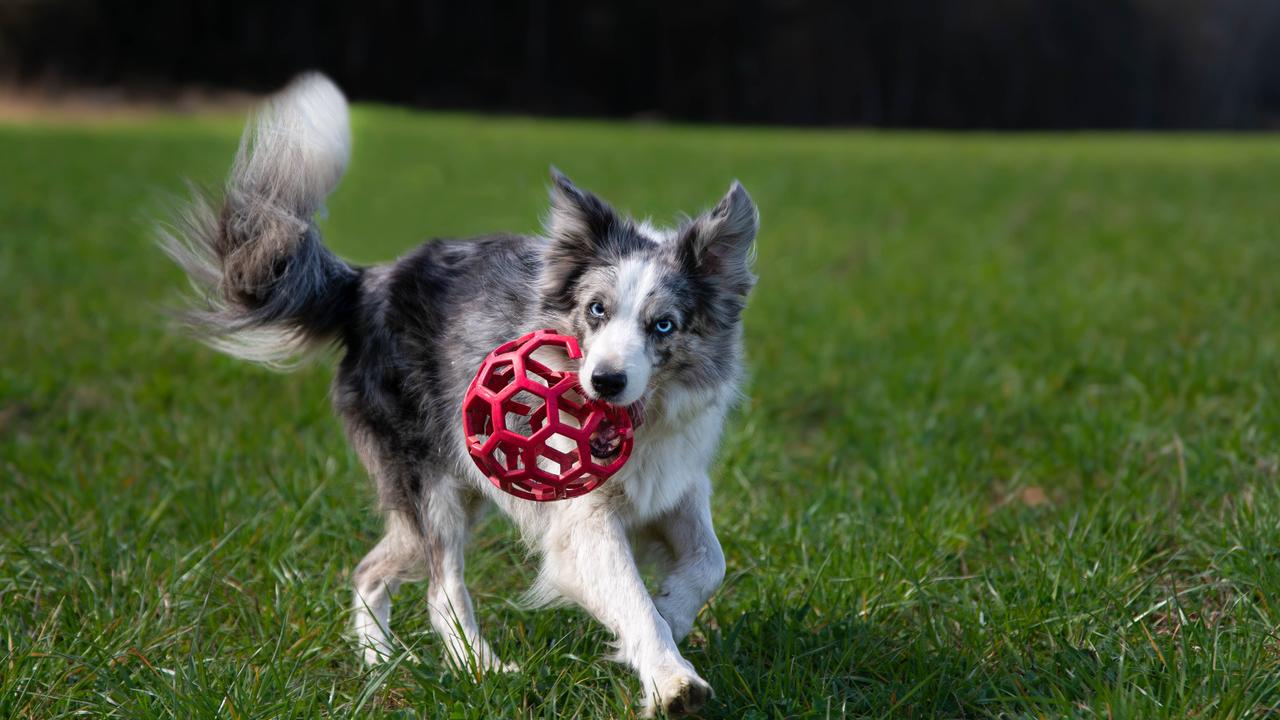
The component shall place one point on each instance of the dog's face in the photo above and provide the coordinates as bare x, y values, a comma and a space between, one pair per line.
651, 308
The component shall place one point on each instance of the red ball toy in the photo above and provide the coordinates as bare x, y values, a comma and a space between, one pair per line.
533, 431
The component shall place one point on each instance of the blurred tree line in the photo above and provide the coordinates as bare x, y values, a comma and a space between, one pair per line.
912, 63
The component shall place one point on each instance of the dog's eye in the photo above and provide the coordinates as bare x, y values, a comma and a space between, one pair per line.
664, 326
596, 309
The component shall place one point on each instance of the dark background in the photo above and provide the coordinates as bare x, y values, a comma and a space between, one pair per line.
998, 64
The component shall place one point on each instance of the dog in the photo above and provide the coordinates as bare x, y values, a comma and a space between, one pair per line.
658, 313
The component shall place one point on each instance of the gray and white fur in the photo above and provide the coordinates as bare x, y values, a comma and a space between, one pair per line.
657, 311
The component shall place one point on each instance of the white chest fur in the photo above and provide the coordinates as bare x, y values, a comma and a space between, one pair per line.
674, 449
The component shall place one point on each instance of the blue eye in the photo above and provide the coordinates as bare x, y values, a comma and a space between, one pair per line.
596, 309
664, 326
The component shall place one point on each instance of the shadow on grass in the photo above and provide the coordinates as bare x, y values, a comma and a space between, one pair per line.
794, 664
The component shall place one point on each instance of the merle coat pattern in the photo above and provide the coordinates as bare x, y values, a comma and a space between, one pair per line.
658, 313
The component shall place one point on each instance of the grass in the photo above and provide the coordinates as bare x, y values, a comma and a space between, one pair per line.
1010, 451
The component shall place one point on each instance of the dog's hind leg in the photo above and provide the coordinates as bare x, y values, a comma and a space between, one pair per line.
397, 558
446, 518
412, 549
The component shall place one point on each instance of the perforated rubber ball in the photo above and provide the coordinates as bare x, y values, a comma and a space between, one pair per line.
532, 431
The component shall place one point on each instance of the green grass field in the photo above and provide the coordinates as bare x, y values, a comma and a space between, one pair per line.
1010, 451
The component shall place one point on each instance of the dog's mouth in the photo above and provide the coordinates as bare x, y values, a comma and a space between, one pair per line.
606, 441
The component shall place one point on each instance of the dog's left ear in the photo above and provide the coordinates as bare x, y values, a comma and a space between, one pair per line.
719, 244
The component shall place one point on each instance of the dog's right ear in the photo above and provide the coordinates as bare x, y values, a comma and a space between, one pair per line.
579, 222
579, 226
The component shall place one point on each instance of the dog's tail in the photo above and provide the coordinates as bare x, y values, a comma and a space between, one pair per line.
268, 288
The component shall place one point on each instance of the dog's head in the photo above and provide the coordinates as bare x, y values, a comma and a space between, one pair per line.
652, 308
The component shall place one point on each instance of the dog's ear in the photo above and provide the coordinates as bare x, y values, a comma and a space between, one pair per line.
579, 227
718, 245
579, 222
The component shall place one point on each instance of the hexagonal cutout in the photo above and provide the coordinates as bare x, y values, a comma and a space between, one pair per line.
518, 411
509, 456
559, 455
498, 375
548, 364
573, 408
478, 418
541, 374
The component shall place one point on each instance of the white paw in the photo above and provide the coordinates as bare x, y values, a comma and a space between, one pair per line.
376, 651
485, 662
677, 694
371, 638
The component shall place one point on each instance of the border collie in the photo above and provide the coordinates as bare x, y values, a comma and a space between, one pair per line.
658, 315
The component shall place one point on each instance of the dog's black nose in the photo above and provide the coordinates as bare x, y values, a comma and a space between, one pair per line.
608, 384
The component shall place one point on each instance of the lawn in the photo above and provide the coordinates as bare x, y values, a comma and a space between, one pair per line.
1010, 450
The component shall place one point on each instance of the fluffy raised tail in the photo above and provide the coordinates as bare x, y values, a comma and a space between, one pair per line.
268, 288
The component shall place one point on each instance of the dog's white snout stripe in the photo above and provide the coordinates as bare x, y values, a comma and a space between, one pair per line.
620, 346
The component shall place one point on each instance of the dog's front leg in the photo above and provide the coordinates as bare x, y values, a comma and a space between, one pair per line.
697, 566
589, 560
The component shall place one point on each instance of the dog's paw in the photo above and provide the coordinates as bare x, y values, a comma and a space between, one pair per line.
678, 694
493, 664
376, 651
483, 663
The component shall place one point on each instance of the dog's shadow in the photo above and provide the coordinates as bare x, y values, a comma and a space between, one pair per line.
793, 663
